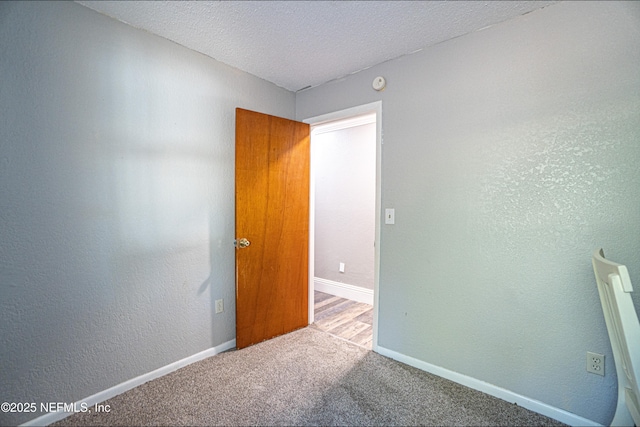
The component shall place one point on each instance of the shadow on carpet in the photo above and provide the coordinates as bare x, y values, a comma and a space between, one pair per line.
306, 377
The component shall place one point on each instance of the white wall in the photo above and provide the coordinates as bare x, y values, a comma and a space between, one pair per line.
509, 155
116, 200
344, 167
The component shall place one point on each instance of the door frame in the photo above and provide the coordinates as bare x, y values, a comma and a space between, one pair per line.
373, 107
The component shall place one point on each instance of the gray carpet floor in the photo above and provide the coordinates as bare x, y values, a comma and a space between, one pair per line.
307, 377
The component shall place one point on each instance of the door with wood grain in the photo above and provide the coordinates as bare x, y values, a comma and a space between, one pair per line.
272, 226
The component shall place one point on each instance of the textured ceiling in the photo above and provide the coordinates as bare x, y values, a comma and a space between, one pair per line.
297, 44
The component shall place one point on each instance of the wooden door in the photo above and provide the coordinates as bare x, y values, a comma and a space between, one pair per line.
272, 213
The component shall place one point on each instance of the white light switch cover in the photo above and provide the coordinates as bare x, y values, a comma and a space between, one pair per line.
389, 216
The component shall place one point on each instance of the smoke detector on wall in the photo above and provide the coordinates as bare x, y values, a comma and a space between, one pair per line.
379, 83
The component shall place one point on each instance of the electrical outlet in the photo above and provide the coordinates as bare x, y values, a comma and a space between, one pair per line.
595, 363
219, 306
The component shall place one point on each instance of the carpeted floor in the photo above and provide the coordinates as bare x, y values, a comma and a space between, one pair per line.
307, 377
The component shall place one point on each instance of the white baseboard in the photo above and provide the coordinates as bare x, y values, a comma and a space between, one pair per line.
101, 396
343, 290
501, 393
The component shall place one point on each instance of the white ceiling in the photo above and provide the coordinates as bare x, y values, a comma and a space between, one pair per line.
297, 44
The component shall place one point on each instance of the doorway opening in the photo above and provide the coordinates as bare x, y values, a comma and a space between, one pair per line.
344, 223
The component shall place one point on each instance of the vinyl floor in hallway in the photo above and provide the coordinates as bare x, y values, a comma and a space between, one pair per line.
347, 319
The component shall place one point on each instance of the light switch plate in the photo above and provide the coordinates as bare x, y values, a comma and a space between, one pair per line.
389, 216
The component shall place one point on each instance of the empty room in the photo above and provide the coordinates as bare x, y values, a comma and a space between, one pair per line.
153, 270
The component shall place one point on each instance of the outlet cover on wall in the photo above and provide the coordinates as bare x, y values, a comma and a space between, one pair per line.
219, 306
595, 363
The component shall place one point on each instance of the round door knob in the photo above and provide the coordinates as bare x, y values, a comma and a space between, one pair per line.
243, 243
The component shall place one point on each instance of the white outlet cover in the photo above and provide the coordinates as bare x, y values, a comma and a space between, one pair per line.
595, 363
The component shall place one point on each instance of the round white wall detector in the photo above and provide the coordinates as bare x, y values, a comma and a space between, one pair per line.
379, 83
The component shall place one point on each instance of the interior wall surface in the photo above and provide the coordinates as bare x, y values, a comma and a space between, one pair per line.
344, 166
116, 200
509, 155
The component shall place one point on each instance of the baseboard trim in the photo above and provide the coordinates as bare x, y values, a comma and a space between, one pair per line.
343, 290
501, 393
101, 396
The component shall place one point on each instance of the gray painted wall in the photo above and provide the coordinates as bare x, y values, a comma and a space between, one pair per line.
345, 197
116, 200
509, 155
